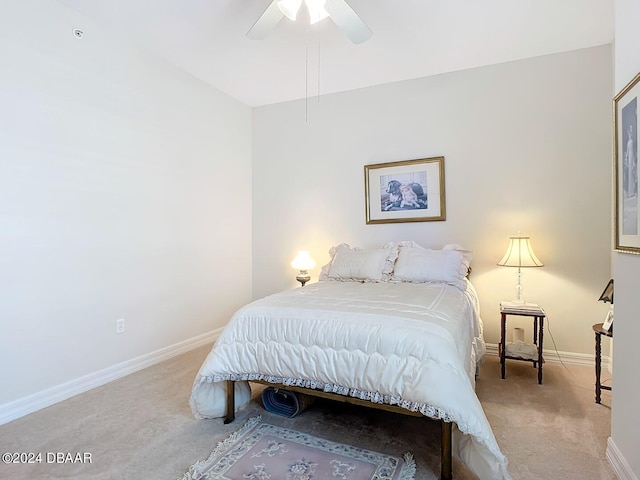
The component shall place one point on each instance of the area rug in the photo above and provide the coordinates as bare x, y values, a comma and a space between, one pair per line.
259, 451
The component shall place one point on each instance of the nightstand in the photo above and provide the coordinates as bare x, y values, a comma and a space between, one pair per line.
537, 314
599, 331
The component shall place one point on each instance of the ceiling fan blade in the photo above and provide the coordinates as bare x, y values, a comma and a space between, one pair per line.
348, 21
267, 22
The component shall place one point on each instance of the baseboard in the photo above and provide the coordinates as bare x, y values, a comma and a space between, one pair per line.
23, 406
19, 408
568, 358
619, 464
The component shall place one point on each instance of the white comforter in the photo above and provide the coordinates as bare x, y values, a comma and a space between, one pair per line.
412, 345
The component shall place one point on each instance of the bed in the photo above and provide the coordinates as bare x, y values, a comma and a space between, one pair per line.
396, 328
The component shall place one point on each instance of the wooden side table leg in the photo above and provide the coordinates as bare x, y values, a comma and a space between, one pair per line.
535, 336
503, 329
540, 334
598, 366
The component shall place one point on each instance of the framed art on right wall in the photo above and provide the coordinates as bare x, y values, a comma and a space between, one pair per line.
625, 157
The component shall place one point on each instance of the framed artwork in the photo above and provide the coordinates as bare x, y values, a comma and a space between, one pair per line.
625, 157
405, 191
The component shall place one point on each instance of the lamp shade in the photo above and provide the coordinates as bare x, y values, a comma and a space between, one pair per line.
607, 293
520, 254
303, 261
316, 10
290, 8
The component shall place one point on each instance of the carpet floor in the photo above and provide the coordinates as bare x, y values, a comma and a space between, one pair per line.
141, 427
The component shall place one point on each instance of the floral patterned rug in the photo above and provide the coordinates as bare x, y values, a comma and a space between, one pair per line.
259, 451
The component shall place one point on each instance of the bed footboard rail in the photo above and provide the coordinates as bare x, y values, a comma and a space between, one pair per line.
446, 428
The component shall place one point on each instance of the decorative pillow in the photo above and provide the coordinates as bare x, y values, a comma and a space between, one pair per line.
468, 254
418, 265
350, 264
408, 243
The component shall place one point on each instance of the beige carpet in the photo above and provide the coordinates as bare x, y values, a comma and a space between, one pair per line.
141, 427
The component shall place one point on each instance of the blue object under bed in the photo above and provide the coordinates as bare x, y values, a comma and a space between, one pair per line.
284, 402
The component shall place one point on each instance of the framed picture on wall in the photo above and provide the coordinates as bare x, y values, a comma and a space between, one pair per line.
625, 157
405, 191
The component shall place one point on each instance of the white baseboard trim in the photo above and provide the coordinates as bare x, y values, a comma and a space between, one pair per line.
568, 358
617, 461
31, 403
23, 406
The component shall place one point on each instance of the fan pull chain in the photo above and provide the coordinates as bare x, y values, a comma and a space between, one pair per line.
318, 71
308, 41
306, 84
306, 75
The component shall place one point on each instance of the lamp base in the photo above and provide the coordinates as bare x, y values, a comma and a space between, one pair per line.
303, 277
519, 298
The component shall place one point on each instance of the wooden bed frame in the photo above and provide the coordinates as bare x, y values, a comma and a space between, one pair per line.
445, 427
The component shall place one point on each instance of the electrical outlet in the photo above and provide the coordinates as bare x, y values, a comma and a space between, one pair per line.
120, 325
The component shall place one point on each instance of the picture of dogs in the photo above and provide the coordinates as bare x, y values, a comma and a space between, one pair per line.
409, 197
395, 195
404, 196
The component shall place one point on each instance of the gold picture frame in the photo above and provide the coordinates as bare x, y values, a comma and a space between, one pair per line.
625, 157
405, 191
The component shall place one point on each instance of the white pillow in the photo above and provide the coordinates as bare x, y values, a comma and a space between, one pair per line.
408, 243
418, 265
362, 265
468, 255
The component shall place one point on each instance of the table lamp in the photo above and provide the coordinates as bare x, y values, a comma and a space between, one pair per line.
607, 293
303, 262
520, 254
607, 297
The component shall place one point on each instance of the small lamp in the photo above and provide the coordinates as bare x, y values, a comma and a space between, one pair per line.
607, 297
607, 293
520, 254
303, 262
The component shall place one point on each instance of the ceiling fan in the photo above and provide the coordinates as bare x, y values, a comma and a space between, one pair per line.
338, 10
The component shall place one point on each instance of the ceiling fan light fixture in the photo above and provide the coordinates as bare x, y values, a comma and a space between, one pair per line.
290, 8
338, 10
317, 11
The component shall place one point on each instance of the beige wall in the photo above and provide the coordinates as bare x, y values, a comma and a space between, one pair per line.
526, 145
625, 423
110, 203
